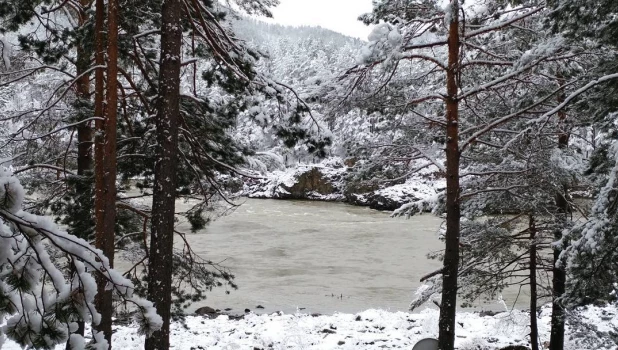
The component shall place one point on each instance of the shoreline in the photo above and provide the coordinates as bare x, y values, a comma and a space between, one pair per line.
370, 329
329, 182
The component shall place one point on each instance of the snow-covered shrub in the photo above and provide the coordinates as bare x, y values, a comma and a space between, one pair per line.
38, 302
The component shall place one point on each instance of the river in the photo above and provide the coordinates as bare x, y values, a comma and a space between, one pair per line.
320, 257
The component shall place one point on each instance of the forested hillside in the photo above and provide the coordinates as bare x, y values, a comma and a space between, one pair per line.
307, 59
353, 168
497, 116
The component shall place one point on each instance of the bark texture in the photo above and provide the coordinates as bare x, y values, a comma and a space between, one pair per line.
448, 307
164, 194
105, 194
84, 130
99, 95
534, 329
556, 339
85, 160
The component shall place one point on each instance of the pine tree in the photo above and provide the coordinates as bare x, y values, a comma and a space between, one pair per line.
164, 196
105, 166
591, 278
478, 71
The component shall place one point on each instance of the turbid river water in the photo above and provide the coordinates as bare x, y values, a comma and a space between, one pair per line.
320, 257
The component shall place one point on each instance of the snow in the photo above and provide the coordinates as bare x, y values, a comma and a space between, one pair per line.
416, 188
448, 13
273, 186
421, 186
370, 329
30, 260
384, 41
302, 331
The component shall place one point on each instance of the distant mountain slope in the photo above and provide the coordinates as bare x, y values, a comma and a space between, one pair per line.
300, 56
310, 59
254, 30
306, 59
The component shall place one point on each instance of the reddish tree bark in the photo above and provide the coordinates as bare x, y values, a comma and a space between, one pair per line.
556, 339
99, 95
82, 89
448, 307
105, 191
84, 130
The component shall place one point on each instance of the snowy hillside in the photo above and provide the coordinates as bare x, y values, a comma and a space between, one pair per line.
311, 60
129, 129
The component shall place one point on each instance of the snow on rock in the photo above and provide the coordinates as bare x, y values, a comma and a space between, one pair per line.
391, 198
371, 329
327, 181
323, 181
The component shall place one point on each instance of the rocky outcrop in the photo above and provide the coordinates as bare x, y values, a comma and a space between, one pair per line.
367, 194
378, 201
390, 198
327, 182
311, 183
207, 311
303, 182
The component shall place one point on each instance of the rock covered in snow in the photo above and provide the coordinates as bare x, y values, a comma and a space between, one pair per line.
393, 197
322, 181
327, 181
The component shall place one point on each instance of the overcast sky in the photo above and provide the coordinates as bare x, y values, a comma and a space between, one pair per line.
338, 15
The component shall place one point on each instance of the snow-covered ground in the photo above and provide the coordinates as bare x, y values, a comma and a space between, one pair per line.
371, 329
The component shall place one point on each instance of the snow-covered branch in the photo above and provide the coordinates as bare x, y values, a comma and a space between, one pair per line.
26, 244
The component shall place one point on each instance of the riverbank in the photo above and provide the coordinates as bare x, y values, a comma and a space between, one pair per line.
371, 329
330, 181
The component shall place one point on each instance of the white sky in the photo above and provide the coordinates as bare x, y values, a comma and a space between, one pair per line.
337, 15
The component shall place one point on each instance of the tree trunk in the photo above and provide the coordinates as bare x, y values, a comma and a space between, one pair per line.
534, 329
82, 91
556, 340
105, 195
451, 255
84, 130
164, 194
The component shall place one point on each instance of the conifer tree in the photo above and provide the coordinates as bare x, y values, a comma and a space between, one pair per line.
166, 153
457, 46
590, 247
